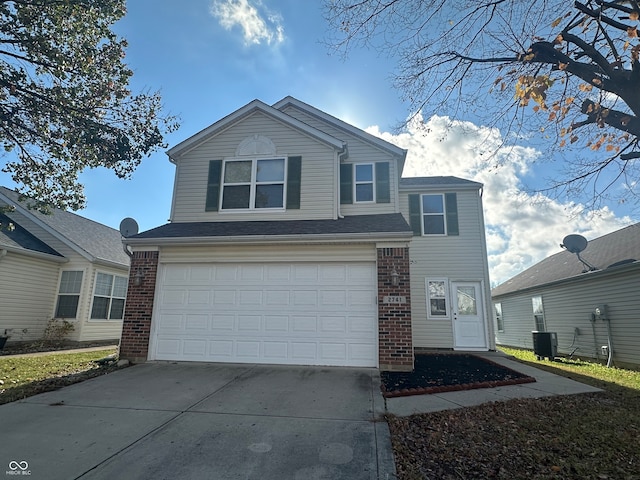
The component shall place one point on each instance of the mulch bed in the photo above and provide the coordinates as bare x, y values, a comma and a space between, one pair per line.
437, 373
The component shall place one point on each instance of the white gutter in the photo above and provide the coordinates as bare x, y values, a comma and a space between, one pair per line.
32, 253
255, 239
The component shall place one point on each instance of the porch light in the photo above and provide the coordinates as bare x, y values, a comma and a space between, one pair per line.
395, 278
138, 277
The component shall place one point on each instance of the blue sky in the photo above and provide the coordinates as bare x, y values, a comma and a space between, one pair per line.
211, 57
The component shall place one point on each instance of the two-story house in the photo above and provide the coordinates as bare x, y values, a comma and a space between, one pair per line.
293, 240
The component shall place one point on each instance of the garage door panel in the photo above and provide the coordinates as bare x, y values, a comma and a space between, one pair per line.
317, 314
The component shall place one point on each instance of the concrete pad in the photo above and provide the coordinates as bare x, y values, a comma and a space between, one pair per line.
293, 391
157, 386
62, 442
200, 445
405, 406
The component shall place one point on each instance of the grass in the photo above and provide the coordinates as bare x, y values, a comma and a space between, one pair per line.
590, 372
21, 377
587, 436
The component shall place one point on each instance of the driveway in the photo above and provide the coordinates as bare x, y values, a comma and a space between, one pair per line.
203, 421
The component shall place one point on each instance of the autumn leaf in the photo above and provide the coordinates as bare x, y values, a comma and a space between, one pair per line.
573, 139
556, 22
634, 15
552, 116
562, 143
632, 32
596, 81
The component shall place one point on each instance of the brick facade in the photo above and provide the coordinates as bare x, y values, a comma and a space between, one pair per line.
136, 327
394, 319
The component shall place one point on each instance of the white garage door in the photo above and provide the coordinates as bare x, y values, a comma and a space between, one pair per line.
299, 313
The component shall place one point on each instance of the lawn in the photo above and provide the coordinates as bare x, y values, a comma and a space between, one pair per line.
22, 377
587, 436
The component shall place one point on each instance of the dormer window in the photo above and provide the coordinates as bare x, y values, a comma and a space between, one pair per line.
253, 183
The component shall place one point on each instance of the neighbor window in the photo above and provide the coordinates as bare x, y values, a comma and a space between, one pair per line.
499, 319
538, 313
437, 304
108, 297
364, 184
253, 184
69, 294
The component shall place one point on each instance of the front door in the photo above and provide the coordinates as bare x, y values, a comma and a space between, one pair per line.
468, 316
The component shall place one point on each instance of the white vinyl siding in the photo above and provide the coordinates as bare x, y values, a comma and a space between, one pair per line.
29, 289
457, 258
319, 163
568, 306
359, 152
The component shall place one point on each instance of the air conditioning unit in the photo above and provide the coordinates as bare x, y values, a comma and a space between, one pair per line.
545, 344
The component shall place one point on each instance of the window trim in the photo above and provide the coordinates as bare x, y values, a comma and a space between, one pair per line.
110, 297
533, 312
371, 182
58, 293
447, 298
253, 183
499, 317
443, 214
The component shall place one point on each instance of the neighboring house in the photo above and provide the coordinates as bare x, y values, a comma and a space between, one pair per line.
293, 240
560, 294
59, 266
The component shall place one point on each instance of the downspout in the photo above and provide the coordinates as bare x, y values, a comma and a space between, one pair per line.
127, 251
342, 155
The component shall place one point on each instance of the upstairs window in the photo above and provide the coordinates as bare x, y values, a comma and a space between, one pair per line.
108, 297
433, 220
364, 184
69, 294
253, 184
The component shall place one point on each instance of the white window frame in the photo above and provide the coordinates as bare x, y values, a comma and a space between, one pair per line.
499, 317
111, 297
447, 298
371, 182
253, 183
68, 294
443, 214
535, 319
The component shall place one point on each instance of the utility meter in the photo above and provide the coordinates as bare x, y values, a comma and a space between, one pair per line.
600, 312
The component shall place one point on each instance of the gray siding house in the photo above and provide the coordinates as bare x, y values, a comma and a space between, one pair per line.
293, 239
560, 294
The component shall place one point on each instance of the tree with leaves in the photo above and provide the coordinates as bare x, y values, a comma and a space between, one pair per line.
65, 104
568, 70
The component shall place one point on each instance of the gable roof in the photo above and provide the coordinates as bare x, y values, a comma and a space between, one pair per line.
615, 249
341, 125
250, 108
92, 240
19, 239
356, 226
410, 183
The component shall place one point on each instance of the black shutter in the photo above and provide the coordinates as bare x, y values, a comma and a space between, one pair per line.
346, 183
415, 217
294, 174
213, 186
383, 190
451, 207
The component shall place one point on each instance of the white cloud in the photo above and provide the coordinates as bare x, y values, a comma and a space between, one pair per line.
521, 229
258, 24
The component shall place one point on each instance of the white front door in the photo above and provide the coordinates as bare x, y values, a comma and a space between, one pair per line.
468, 316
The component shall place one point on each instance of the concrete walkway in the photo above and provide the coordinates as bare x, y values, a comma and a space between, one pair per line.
546, 384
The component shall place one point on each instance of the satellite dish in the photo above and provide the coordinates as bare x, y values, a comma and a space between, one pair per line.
128, 227
574, 243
